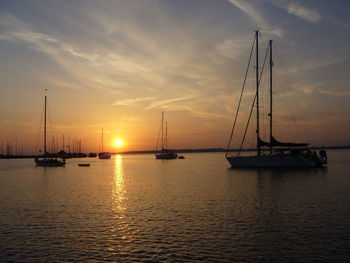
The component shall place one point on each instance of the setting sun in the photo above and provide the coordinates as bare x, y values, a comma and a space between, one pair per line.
118, 143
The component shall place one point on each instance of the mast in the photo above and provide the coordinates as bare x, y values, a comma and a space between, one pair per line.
45, 126
162, 131
102, 141
270, 114
166, 135
257, 92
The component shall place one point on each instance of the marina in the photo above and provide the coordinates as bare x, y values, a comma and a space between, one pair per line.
174, 131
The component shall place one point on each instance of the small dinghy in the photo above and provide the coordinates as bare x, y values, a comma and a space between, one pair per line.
84, 164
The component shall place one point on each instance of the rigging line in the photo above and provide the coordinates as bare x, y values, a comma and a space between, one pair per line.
299, 108
51, 129
100, 144
251, 109
38, 135
282, 103
240, 98
246, 128
160, 126
263, 99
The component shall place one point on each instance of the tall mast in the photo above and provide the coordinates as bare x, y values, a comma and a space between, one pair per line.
63, 146
270, 114
166, 135
102, 141
45, 126
162, 131
257, 92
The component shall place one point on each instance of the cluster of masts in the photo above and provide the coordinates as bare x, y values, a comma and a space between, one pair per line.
14, 149
59, 159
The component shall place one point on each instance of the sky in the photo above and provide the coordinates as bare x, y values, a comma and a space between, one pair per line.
118, 64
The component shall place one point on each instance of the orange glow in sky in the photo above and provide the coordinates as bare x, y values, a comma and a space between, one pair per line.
126, 79
118, 143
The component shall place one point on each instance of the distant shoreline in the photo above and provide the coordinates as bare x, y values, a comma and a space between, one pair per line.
224, 150
206, 150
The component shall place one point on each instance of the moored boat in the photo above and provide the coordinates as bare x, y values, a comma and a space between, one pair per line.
102, 154
44, 160
164, 153
272, 153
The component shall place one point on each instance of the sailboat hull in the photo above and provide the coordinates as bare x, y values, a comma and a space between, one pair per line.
166, 156
104, 155
268, 161
48, 162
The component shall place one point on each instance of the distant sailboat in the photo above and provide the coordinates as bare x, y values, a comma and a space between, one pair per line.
102, 154
45, 161
165, 153
275, 153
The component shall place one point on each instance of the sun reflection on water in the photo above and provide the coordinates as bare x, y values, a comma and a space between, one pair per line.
121, 238
119, 191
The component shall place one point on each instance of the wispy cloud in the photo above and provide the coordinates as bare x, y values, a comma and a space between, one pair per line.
304, 12
299, 11
16, 31
334, 92
206, 115
340, 23
132, 102
234, 48
258, 18
162, 103
317, 63
250, 11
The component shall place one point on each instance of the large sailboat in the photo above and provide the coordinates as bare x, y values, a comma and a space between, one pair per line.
44, 160
164, 153
102, 154
273, 153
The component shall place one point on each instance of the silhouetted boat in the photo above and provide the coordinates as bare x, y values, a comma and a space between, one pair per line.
181, 157
92, 155
276, 153
102, 154
84, 164
164, 154
44, 161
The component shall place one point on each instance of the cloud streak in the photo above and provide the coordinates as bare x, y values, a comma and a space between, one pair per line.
304, 13
255, 15
132, 102
162, 103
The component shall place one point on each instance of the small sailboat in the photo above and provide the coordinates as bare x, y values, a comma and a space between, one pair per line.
102, 154
44, 160
164, 154
273, 153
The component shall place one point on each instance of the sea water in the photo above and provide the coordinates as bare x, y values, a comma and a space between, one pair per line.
134, 208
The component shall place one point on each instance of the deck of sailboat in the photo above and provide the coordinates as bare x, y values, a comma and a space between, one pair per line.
49, 162
276, 161
166, 155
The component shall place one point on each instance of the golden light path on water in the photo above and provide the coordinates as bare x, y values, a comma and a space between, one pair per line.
120, 230
119, 191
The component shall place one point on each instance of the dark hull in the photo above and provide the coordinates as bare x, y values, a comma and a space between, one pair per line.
287, 161
49, 162
104, 155
166, 156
